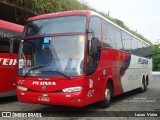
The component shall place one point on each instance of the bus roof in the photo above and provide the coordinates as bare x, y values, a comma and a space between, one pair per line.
75, 12
58, 14
11, 26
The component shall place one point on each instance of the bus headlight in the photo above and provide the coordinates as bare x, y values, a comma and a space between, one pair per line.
73, 89
22, 88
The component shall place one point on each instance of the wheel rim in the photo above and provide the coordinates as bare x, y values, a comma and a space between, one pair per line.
108, 95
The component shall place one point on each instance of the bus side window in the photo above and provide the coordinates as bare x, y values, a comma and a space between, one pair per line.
127, 41
108, 35
16, 46
93, 58
134, 46
4, 46
117, 37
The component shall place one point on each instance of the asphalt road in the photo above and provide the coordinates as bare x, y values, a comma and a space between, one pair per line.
133, 101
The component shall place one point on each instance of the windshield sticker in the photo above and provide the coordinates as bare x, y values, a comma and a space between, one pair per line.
81, 39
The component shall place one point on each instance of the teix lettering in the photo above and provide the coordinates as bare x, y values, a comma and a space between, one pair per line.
7, 61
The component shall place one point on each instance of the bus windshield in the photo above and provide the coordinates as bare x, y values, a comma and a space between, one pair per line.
61, 54
67, 24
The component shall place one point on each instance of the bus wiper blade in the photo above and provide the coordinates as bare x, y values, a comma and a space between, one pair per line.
61, 74
34, 69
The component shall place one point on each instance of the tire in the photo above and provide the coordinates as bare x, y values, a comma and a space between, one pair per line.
143, 87
146, 84
107, 101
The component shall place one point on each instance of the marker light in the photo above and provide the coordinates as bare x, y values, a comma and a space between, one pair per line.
73, 89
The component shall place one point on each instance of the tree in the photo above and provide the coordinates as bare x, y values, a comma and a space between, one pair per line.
156, 57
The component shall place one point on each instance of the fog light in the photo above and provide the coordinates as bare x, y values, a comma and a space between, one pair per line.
79, 100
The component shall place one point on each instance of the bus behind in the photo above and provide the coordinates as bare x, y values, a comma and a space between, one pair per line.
9, 35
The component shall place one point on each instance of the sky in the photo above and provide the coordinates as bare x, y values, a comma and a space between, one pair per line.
142, 16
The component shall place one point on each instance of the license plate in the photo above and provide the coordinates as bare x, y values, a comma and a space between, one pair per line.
44, 99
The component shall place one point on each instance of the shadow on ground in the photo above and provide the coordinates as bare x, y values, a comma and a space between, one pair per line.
5, 100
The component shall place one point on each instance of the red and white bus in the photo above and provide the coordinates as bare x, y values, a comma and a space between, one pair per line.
8, 61
79, 58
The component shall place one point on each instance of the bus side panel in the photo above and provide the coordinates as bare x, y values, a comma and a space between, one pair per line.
8, 64
8, 72
116, 63
138, 68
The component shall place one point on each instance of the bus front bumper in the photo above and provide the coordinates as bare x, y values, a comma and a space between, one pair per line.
66, 99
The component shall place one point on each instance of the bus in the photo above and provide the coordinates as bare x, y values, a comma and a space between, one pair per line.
8, 59
79, 58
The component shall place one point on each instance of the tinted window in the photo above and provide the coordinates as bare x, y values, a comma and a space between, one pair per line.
95, 25
147, 51
4, 46
108, 35
118, 39
140, 49
134, 46
8, 33
127, 42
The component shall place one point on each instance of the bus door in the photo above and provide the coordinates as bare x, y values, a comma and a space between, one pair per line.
94, 73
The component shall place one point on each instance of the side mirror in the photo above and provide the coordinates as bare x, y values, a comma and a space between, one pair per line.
91, 33
11, 46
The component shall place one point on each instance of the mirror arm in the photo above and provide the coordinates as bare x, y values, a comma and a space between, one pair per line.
91, 31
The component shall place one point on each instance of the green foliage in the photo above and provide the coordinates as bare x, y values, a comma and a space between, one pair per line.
48, 6
156, 57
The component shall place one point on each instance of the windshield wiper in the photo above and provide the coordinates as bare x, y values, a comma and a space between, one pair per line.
34, 69
61, 74
47, 71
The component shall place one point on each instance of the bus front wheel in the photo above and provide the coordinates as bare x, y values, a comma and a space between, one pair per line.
107, 101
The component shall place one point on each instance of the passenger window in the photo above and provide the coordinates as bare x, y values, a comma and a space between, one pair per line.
134, 46
127, 42
108, 35
140, 49
118, 40
147, 51
4, 46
